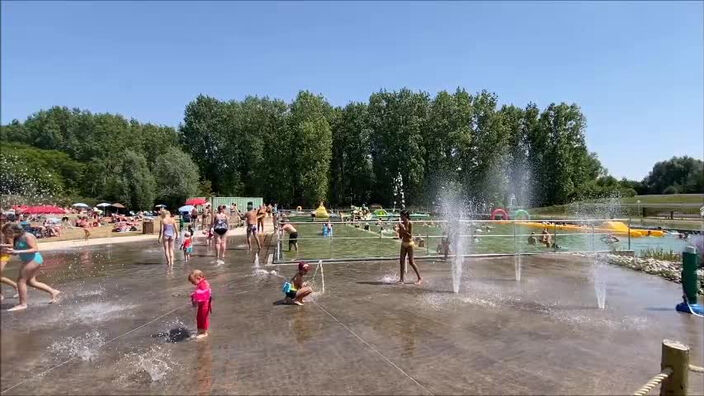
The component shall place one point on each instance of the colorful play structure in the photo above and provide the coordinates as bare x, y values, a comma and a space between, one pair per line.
610, 227
321, 212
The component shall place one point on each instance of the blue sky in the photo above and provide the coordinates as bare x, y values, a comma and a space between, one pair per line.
635, 68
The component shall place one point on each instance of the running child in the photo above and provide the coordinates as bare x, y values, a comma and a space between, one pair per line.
297, 290
201, 298
4, 259
187, 246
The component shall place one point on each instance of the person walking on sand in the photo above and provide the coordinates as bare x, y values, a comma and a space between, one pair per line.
168, 233
405, 232
251, 219
25, 246
220, 227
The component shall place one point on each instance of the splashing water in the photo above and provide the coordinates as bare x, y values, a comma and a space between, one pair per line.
256, 260
599, 285
153, 365
453, 213
84, 347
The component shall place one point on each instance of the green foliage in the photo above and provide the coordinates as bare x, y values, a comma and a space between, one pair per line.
22, 182
176, 177
130, 182
676, 175
661, 254
73, 153
351, 175
306, 151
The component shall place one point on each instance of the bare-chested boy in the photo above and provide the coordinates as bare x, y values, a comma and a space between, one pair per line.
292, 234
251, 219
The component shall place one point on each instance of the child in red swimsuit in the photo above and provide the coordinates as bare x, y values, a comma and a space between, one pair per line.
202, 299
187, 246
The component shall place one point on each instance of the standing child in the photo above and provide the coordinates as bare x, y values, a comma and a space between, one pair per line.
296, 289
202, 299
187, 246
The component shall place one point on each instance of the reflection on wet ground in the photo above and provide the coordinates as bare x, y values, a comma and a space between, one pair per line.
124, 323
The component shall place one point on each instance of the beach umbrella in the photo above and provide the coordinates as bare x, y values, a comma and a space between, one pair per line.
160, 206
185, 208
103, 205
81, 205
196, 201
118, 205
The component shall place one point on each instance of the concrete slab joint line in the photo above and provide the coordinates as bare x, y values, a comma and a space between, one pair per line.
368, 345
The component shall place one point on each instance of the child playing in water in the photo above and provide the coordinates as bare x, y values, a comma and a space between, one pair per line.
187, 246
4, 259
202, 299
208, 236
298, 289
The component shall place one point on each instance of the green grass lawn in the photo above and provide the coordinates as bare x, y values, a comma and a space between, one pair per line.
562, 210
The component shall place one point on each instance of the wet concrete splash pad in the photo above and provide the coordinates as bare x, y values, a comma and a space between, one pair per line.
123, 325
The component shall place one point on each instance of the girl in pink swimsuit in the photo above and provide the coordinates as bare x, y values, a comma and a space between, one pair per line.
202, 299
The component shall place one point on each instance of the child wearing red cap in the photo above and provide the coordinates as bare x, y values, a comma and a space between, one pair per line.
298, 289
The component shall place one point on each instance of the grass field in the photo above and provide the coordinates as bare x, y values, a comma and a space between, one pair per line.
662, 199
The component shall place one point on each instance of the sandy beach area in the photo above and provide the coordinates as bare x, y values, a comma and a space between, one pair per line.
68, 244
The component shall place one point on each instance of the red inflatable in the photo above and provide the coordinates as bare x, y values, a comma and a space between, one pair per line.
499, 211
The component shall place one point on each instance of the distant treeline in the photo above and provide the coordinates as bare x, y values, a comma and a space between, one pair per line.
307, 151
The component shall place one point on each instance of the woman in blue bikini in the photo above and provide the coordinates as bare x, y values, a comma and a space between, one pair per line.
25, 246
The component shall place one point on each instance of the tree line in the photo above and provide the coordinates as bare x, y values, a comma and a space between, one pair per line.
307, 151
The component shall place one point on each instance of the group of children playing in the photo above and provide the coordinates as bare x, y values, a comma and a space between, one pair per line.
295, 290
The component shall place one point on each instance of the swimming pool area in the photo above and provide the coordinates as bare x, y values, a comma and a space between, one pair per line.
481, 237
123, 324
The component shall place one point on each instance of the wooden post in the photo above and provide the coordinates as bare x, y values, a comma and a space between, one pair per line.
676, 356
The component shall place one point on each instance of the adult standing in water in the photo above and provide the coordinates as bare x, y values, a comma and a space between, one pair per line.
220, 226
25, 246
168, 233
405, 232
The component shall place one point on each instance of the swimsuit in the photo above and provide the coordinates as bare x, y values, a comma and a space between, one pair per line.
292, 238
291, 293
187, 246
408, 244
203, 297
220, 226
252, 228
169, 231
27, 257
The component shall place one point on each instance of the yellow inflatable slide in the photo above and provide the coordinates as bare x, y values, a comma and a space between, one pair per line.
321, 212
611, 227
